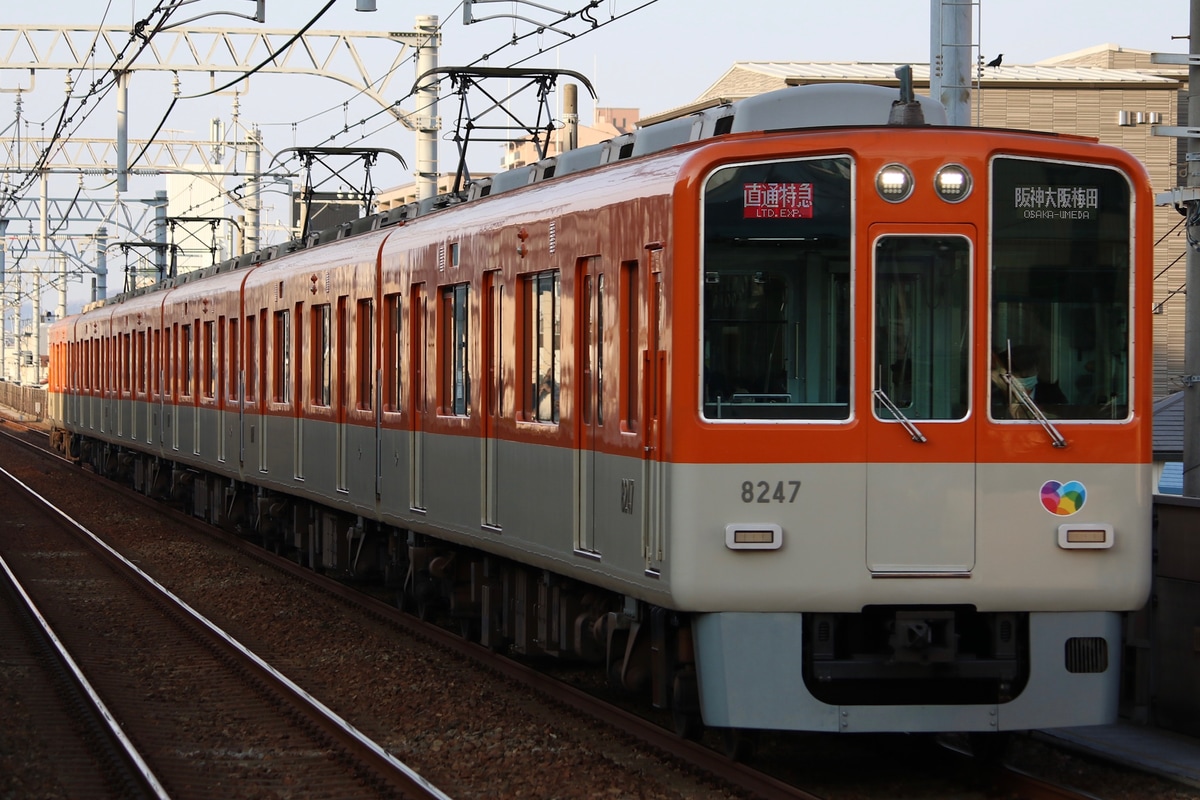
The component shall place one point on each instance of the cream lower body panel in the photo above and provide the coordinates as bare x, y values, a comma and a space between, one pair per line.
749, 668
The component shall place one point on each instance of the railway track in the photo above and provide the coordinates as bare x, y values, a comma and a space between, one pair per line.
722, 777
210, 718
87, 754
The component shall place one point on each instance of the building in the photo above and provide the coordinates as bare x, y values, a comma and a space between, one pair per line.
608, 122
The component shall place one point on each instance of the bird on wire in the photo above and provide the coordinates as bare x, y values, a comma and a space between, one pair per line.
995, 62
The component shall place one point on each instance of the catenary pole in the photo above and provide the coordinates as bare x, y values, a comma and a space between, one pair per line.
1191, 336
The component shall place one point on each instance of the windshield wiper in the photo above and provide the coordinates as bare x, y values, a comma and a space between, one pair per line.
1056, 438
882, 397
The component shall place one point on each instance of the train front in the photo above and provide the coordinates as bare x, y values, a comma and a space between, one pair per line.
909, 458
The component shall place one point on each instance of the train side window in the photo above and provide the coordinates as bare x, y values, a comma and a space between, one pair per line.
542, 350
185, 366
322, 352
282, 368
251, 358
126, 362
630, 344
260, 358
393, 352
364, 348
139, 369
222, 368
234, 360
156, 366
209, 359
456, 385
170, 360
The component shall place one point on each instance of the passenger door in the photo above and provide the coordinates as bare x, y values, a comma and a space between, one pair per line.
420, 397
492, 395
589, 414
920, 521
654, 378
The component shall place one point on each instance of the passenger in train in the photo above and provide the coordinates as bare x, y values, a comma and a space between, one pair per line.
1024, 363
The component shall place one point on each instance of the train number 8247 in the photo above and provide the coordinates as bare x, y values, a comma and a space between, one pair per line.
763, 492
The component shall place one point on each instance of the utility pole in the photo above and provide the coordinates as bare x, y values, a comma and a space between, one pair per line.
1186, 200
1191, 326
253, 167
3, 300
428, 123
950, 60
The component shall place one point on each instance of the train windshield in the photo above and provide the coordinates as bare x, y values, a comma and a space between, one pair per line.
1061, 289
776, 269
922, 327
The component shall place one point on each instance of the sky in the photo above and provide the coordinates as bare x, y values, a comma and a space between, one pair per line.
652, 55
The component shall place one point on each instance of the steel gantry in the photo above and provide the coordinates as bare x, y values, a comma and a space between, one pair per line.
228, 57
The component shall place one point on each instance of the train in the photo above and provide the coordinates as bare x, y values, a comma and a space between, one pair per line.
807, 412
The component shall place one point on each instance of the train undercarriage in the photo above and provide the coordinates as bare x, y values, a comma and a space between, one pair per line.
499, 603
882, 656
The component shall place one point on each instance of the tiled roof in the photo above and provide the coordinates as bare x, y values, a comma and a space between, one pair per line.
793, 71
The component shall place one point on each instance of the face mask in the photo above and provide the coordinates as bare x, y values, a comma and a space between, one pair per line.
1028, 383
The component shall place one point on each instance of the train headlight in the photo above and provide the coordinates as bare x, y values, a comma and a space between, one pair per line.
894, 183
753, 536
952, 183
1078, 536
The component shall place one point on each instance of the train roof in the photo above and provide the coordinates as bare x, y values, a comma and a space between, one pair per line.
795, 107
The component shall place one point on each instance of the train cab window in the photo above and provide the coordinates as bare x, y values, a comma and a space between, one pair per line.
542, 350
456, 384
1060, 290
776, 276
322, 354
252, 361
922, 327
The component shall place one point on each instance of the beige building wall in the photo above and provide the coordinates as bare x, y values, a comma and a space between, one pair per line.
1096, 112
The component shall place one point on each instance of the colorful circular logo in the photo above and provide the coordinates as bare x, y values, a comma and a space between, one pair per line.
1063, 499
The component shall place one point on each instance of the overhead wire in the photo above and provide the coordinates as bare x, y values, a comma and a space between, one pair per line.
54, 140
515, 40
271, 57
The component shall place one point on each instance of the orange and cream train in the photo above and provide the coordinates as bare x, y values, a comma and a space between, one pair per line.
794, 418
